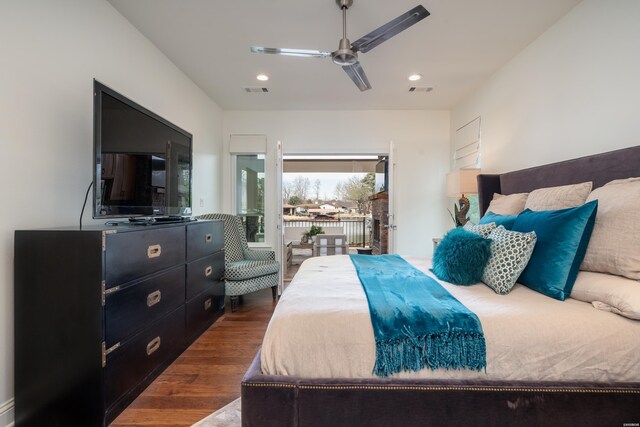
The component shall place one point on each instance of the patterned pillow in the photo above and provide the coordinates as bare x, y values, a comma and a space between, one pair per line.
510, 253
482, 229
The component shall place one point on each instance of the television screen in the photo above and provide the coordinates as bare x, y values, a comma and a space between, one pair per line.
142, 161
382, 179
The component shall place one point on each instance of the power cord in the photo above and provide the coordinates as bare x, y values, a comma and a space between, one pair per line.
86, 196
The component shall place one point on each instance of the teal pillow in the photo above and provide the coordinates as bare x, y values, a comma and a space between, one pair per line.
562, 239
501, 220
461, 256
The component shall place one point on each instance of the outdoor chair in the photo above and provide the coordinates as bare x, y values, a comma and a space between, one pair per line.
245, 270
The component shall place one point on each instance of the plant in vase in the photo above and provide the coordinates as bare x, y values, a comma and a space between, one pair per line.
313, 232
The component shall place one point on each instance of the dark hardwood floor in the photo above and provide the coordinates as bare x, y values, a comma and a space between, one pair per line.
207, 375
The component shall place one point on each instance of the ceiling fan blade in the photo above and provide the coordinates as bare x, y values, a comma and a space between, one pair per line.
307, 53
390, 29
356, 73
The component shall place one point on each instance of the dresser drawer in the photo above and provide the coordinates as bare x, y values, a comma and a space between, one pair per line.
138, 357
131, 255
135, 306
203, 309
201, 274
204, 238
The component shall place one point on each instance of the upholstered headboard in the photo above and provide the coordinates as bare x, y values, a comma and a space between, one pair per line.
599, 168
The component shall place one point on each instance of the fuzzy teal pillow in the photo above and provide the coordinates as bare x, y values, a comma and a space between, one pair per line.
461, 256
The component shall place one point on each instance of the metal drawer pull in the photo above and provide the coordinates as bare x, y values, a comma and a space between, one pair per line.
154, 251
207, 304
208, 238
153, 345
208, 271
153, 298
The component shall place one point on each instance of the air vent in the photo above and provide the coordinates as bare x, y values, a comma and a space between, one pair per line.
420, 89
255, 89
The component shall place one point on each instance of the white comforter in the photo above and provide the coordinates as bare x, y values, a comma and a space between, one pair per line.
321, 329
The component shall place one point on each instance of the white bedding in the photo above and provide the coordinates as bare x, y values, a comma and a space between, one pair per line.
321, 329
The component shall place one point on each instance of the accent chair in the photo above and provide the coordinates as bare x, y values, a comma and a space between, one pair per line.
245, 270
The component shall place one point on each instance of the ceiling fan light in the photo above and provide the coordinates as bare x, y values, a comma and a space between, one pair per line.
262, 77
415, 77
344, 55
345, 58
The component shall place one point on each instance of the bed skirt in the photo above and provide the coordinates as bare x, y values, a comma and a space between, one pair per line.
279, 400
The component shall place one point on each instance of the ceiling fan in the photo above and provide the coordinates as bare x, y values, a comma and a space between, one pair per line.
347, 53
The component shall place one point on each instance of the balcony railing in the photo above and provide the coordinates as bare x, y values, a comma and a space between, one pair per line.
356, 229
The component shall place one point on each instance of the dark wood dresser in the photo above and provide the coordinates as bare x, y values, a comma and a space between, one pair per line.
101, 312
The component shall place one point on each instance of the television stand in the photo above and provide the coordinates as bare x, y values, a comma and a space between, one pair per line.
113, 307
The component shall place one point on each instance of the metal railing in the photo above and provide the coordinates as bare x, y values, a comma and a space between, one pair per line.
356, 229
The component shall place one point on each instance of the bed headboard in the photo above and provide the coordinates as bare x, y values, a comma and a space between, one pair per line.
599, 168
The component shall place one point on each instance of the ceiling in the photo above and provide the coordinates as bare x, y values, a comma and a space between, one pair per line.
455, 49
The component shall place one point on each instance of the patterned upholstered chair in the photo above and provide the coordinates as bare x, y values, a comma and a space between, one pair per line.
246, 270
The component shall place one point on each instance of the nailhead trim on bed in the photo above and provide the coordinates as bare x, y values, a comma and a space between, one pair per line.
445, 388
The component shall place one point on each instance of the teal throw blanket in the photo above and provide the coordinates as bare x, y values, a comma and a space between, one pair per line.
416, 322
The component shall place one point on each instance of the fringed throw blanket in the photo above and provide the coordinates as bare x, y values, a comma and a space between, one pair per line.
416, 322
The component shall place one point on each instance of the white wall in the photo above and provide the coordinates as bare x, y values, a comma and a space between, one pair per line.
49, 54
422, 143
574, 91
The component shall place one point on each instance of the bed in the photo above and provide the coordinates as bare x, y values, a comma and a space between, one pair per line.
314, 368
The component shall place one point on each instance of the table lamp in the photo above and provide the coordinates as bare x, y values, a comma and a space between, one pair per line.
460, 183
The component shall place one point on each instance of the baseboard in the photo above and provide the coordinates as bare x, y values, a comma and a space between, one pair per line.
6, 413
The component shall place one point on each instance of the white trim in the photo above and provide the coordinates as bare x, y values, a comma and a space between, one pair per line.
278, 217
391, 191
6, 413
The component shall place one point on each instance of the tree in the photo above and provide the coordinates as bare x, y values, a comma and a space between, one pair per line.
359, 190
294, 200
287, 191
316, 189
370, 181
300, 187
260, 206
339, 191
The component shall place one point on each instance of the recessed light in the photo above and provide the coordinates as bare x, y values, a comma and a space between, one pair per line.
414, 77
262, 77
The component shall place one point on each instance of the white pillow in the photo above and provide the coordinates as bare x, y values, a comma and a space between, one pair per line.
562, 197
609, 293
615, 242
511, 204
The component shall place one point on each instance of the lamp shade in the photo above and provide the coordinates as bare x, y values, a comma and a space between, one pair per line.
462, 181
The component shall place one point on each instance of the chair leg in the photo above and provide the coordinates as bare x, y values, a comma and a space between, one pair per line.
274, 292
234, 303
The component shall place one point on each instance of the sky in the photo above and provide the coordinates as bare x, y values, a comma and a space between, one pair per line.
328, 181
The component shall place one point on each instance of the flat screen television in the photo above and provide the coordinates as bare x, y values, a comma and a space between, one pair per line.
382, 175
143, 162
